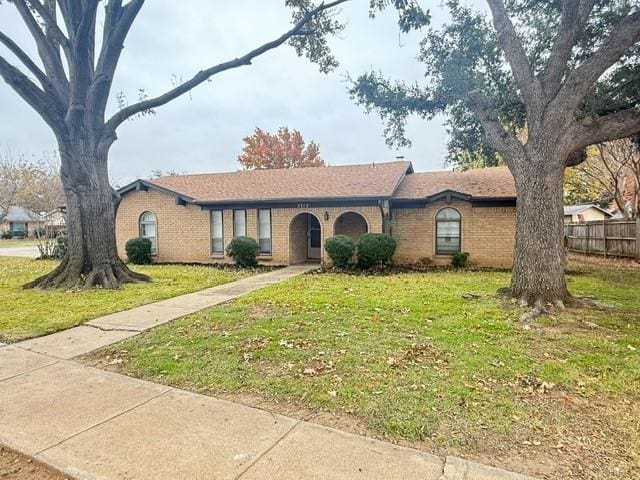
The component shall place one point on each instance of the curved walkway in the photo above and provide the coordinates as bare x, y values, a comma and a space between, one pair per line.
92, 424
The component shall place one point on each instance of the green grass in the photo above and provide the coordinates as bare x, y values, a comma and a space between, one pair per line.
409, 358
31, 313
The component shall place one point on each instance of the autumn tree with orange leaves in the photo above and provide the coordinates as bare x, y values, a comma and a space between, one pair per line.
285, 149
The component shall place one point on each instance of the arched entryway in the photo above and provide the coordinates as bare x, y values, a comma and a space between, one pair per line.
305, 239
351, 224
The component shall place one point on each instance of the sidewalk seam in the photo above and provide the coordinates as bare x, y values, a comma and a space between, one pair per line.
57, 360
113, 417
276, 443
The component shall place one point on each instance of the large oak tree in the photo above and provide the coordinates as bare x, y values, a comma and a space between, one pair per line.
533, 86
69, 85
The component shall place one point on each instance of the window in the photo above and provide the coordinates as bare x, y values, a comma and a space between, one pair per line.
148, 229
239, 223
264, 231
18, 228
217, 237
447, 231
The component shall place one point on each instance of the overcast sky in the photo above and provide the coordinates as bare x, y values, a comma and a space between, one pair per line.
203, 132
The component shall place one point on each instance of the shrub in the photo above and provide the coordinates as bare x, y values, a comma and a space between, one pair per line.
138, 250
459, 259
60, 247
244, 251
375, 249
340, 250
6, 235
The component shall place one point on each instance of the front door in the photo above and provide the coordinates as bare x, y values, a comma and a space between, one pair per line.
314, 238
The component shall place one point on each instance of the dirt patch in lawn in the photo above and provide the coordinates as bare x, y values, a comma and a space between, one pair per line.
15, 466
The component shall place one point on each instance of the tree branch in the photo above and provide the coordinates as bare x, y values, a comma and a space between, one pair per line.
51, 24
527, 82
574, 17
624, 36
51, 61
118, 21
622, 124
495, 134
202, 76
26, 60
42, 102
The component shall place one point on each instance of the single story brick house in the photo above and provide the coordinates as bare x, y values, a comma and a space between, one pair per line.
20, 222
192, 218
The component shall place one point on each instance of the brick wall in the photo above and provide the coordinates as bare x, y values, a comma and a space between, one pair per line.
183, 232
350, 224
488, 234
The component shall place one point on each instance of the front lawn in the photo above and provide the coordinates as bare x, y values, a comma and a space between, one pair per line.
31, 313
434, 360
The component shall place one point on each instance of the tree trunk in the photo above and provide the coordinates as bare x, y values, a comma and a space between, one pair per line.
92, 257
539, 260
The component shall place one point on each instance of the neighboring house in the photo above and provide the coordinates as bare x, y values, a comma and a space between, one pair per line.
55, 221
585, 213
20, 222
192, 218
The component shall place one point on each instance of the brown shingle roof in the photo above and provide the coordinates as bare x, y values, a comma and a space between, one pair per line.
346, 181
479, 183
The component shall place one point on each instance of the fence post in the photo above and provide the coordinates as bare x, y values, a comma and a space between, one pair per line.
604, 236
638, 237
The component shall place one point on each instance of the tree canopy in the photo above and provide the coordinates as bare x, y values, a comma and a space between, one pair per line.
284, 149
466, 65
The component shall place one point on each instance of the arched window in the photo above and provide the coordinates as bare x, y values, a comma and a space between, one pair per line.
448, 231
148, 229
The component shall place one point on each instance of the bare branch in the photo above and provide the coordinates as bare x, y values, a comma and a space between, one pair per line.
42, 102
52, 29
50, 59
574, 17
26, 60
118, 21
514, 51
204, 75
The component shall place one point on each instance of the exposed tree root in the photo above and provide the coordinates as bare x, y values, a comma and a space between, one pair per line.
539, 305
72, 276
538, 309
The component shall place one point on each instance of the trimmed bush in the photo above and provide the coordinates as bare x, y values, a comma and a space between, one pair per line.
375, 249
459, 259
244, 251
340, 250
6, 235
138, 250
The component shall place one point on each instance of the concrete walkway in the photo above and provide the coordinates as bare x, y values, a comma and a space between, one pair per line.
113, 328
93, 424
28, 251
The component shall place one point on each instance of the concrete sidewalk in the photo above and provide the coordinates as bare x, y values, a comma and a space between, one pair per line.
92, 424
28, 251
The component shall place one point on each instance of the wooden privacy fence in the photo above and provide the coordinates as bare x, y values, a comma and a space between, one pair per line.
616, 238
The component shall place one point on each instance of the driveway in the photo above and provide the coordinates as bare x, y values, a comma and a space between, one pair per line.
28, 252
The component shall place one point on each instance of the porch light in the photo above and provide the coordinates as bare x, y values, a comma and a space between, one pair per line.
326, 215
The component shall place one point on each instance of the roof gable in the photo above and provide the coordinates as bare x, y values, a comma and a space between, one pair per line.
493, 182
